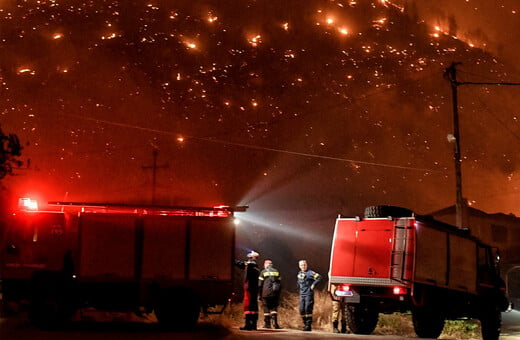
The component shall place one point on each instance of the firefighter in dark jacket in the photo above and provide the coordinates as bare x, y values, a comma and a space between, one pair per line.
269, 284
307, 280
250, 302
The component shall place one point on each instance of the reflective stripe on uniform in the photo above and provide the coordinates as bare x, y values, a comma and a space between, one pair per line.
271, 274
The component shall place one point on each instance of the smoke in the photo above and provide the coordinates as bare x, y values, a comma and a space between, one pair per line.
491, 26
321, 108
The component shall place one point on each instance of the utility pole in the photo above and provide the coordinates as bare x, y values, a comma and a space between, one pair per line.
451, 74
460, 205
154, 167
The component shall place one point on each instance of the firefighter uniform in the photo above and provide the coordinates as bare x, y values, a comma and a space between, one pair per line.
338, 311
307, 280
269, 284
250, 302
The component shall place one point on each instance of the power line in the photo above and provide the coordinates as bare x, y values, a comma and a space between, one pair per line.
487, 83
488, 110
504, 125
451, 74
256, 147
313, 155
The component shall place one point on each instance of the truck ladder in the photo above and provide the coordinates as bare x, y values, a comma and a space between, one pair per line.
398, 258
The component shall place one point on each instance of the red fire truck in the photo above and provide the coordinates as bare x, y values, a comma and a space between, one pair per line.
67, 257
395, 261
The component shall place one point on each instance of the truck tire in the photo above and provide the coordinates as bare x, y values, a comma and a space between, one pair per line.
427, 322
361, 318
178, 309
490, 323
386, 211
52, 301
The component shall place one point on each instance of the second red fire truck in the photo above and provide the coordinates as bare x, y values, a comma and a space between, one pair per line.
71, 256
392, 260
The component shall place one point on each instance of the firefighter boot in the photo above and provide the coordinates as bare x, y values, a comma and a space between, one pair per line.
254, 321
267, 321
308, 324
274, 317
248, 325
344, 327
335, 327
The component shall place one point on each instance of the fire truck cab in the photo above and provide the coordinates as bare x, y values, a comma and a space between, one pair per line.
174, 261
395, 261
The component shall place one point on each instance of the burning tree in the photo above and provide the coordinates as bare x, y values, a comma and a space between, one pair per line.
10, 150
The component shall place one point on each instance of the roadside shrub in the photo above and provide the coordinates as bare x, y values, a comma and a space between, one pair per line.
399, 324
461, 329
395, 324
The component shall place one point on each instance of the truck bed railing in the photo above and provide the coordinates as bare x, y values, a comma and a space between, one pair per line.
96, 207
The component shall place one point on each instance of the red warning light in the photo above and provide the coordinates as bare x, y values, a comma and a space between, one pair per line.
399, 290
343, 290
27, 204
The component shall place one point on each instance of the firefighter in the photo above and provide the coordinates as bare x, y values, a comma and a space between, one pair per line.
338, 311
269, 284
307, 280
250, 302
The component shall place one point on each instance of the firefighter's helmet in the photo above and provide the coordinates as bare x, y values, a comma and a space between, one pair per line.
252, 254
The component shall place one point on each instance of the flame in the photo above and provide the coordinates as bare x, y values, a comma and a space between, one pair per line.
256, 40
26, 70
212, 18
109, 36
192, 45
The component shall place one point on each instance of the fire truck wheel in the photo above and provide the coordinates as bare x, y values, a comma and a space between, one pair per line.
427, 322
50, 304
490, 323
387, 210
361, 318
178, 308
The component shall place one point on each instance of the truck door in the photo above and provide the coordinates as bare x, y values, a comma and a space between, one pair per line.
107, 245
373, 252
462, 264
35, 241
431, 255
164, 247
211, 243
362, 249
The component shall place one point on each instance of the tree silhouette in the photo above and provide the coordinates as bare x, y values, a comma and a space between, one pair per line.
10, 150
